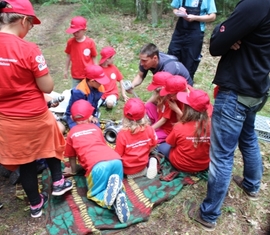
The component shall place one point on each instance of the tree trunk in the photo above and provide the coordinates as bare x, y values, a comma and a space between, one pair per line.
141, 6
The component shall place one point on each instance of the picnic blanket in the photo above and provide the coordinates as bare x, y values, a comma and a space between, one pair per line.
73, 213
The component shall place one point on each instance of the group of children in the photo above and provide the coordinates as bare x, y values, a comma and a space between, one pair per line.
176, 120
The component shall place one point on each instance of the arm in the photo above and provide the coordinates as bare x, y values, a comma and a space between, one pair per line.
137, 80
94, 58
45, 83
125, 97
240, 24
203, 18
174, 107
159, 123
73, 165
67, 66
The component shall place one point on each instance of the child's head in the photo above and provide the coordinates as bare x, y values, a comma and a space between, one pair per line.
159, 80
174, 85
95, 76
107, 54
77, 27
81, 111
134, 114
196, 99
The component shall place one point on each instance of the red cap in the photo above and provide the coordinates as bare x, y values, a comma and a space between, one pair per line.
96, 73
159, 80
77, 23
81, 109
106, 53
23, 7
196, 99
173, 85
134, 109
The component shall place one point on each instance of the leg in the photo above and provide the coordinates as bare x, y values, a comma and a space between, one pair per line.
227, 123
110, 101
97, 181
164, 148
151, 111
249, 147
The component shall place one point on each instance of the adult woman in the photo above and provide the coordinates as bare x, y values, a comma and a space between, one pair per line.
28, 130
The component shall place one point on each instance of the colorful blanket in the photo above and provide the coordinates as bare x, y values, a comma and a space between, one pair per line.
73, 213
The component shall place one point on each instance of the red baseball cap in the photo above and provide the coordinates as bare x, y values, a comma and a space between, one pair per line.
81, 110
173, 85
134, 109
77, 23
106, 53
196, 99
23, 7
159, 80
96, 73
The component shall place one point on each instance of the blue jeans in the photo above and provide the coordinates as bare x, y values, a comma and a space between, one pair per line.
232, 124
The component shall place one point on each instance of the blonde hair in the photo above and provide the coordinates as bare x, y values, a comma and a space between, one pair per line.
202, 122
9, 18
135, 126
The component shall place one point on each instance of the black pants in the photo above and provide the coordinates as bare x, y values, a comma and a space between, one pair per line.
29, 180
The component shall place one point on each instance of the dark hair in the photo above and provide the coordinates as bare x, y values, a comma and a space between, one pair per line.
150, 50
201, 119
3, 4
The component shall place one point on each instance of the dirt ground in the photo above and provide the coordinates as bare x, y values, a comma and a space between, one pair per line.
238, 219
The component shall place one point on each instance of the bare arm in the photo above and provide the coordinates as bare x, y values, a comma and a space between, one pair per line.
203, 18
137, 80
159, 123
125, 97
45, 83
95, 60
67, 66
73, 165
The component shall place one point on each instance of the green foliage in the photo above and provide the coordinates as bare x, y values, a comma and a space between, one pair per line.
229, 209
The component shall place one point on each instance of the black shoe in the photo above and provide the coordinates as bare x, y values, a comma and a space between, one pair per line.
35, 213
61, 189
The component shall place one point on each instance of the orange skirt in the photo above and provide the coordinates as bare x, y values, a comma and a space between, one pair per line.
25, 139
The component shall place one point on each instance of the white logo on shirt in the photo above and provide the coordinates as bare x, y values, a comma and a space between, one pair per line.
41, 62
138, 144
86, 52
113, 76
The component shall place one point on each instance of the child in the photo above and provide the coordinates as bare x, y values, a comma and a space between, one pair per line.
187, 146
168, 109
110, 96
103, 166
136, 140
154, 106
80, 50
90, 89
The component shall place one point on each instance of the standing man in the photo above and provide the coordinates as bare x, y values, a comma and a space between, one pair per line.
155, 61
187, 39
243, 41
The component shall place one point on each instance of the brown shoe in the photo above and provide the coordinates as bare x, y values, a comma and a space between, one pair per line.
195, 214
239, 182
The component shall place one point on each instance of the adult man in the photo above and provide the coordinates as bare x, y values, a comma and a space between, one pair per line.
155, 61
243, 41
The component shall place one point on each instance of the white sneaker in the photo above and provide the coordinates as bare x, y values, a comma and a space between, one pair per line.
152, 168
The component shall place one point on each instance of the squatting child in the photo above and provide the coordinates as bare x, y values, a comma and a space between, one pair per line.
103, 166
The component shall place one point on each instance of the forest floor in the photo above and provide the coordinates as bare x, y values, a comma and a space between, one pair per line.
240, 216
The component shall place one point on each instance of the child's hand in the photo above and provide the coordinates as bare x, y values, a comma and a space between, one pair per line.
94, 120
65, 75
125, 97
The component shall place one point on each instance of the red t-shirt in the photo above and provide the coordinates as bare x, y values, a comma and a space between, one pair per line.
115, 76
81, 54
183, 155
87, 142
21, 62
135, 148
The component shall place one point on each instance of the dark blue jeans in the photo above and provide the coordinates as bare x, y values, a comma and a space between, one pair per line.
232, 125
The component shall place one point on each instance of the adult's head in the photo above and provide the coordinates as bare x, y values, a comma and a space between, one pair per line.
95, 76
81, 110
149, 56
19, 15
